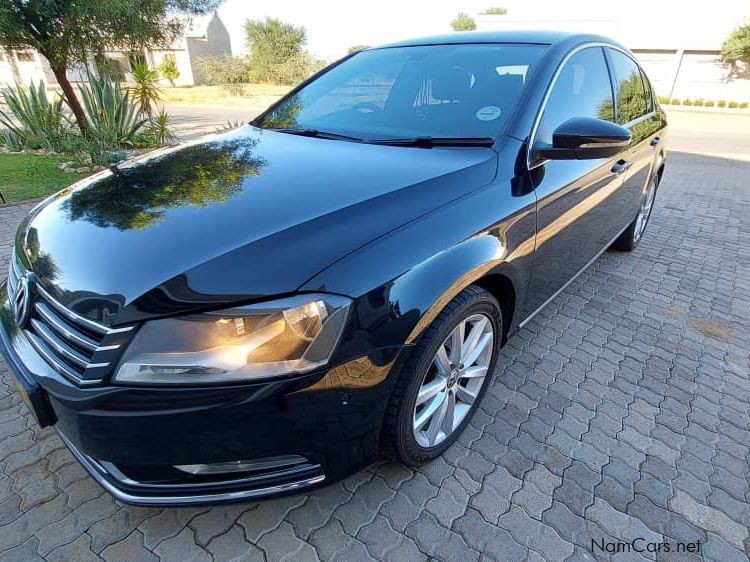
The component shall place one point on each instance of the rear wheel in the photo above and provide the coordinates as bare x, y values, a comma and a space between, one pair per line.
446, 376
629, 239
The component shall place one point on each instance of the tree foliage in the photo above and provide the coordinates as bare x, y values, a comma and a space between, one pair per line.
277, 52
68, 33
168, 69
736, 47
463, 22
232, 73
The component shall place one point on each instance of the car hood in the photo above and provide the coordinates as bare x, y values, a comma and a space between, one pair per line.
230, 218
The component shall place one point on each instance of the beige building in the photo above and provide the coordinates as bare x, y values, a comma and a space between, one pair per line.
679, 48
205, 36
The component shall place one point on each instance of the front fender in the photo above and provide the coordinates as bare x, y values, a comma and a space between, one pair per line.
431, 285
402, 281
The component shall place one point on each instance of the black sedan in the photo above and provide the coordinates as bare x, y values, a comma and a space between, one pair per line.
267, 310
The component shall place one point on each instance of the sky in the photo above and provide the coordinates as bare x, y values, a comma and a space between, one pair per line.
335, 25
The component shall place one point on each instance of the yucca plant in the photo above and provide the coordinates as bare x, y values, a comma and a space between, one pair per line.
161, 129
35, 119
114, 120
145, 89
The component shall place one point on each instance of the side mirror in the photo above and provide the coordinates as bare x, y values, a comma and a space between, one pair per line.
584, 138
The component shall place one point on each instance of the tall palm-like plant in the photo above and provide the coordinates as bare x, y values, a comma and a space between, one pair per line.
145, 89
35, 119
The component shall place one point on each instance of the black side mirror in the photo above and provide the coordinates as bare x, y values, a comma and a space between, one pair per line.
584, 138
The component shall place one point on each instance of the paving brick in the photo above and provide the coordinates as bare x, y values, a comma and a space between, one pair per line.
385, 543
130, 548
232, 545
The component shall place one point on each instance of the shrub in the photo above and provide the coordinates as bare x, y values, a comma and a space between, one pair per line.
463, 22
356, 48
699, 102
34, 120
674, 101
721, 103
168, 69
113, 116
664, 100
495, 11
710, 103
687, 101
161, 129
292, 71
232, 73
145, 90
230, 126
733, 104
11, 140
742, 105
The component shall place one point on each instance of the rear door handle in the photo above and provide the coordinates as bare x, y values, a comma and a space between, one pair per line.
655, 141
620, 166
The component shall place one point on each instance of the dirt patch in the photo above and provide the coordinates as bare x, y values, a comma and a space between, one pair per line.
711, 328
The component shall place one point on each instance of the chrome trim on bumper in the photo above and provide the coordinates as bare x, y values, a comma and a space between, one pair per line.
184, 499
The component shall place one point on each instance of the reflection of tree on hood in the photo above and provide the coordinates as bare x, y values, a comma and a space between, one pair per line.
137, 196
42, 264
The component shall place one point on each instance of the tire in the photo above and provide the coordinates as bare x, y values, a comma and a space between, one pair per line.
630, 237
474, 308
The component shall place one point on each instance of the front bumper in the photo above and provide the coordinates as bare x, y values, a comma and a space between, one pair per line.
130, 438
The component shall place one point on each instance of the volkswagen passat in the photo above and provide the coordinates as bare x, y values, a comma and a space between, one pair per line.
266, 310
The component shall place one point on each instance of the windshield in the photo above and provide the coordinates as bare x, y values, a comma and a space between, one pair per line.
467, 90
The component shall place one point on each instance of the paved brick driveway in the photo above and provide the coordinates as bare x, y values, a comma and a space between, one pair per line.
620, 412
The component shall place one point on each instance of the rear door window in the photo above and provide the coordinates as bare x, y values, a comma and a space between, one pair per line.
631, 101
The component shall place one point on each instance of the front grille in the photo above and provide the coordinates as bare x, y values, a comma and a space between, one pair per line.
80, 349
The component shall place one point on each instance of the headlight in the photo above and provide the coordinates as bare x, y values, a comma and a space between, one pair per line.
258, 341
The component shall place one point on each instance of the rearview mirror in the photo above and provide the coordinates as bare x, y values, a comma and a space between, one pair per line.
584, 138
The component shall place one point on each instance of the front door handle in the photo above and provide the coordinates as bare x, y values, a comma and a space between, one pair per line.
655, 141
620, 166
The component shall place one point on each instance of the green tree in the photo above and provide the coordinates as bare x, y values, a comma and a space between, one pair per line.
495, 11
168, 69
736, 47
273, 45
463, 22
68, 33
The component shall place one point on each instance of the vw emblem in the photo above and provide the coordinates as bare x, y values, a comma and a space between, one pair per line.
21, 304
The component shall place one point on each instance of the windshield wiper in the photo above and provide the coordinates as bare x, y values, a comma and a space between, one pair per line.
429, 142
313, 133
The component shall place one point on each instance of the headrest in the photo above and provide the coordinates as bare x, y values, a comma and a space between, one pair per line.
449, 84
510, 84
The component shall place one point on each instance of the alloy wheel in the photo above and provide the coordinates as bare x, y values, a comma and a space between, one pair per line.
645, 211
453, 381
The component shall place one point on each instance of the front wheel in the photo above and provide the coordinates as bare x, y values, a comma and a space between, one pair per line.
629, 239
444, 380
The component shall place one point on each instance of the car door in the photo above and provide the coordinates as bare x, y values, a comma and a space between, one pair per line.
634, 110
577, 209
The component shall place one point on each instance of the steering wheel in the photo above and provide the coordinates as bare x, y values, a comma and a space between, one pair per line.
366, 107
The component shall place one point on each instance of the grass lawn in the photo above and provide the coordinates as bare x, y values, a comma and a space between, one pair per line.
30, 176
256, 96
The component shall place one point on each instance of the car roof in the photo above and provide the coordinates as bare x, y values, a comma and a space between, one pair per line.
537, 37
